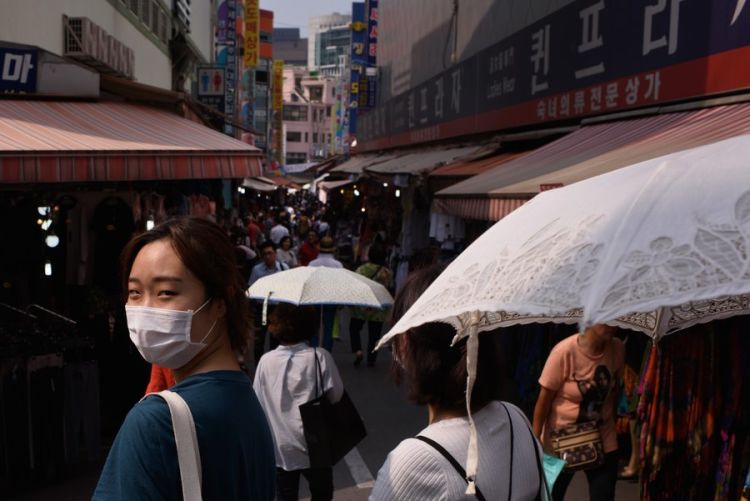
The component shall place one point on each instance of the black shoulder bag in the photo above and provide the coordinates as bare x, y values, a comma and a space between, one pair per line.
331, 430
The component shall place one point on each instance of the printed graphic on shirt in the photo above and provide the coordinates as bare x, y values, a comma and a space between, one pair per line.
594, 392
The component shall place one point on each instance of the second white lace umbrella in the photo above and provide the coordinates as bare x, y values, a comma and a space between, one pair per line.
320, 286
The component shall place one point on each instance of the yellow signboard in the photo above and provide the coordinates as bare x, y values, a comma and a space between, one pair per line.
252, 33
278, 84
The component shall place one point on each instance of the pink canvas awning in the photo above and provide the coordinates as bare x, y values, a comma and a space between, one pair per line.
62, 141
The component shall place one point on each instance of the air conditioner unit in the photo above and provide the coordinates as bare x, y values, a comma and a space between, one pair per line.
123, 59
114, 54
130, 66
85, 41
81, 38
102, 53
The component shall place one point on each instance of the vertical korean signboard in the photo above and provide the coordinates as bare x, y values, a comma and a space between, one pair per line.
358, 60
277, 93
372, 53
252, 33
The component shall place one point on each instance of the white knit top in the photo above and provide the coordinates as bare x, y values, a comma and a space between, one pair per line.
415, 471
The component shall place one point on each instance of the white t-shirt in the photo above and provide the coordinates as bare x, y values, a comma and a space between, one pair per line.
325, 260
416, 471
278, 232
284, 380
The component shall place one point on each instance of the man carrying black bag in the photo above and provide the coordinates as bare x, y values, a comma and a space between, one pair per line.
302, 394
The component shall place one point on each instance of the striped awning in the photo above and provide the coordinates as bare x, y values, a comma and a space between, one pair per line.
62, 141
489, 209
591, 151
466, 168
356, 164
416, 162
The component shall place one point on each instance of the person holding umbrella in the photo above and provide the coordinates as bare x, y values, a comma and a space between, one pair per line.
432, 465
285, 379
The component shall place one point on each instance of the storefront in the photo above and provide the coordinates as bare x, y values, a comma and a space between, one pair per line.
77, 179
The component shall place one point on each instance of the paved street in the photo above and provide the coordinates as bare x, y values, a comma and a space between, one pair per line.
389, 419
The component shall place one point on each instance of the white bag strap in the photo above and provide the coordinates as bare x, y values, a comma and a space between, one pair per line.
188, 453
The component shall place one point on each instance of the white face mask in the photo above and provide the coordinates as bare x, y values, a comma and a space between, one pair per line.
163, 336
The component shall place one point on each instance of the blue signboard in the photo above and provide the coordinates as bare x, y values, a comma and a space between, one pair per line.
587, 58
18, 70
372, 33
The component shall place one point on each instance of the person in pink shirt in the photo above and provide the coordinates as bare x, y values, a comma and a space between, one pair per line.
579, 383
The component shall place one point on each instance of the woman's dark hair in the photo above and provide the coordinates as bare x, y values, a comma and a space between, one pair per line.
205, 249
435, 371
376, 254
283, 239
295, 323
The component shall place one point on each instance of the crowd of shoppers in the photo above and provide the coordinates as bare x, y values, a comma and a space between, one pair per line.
188, 316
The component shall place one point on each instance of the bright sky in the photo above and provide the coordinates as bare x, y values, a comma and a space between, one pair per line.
295, 13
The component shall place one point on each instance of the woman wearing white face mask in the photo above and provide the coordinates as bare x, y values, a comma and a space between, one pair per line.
186, 311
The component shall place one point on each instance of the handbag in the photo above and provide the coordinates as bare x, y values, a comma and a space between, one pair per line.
186, 440
579, 445
330, 430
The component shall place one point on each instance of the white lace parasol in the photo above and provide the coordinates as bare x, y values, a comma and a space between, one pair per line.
656, 247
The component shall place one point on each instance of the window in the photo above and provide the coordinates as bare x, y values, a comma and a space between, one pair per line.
328, 112
261, 77
295, 158
134, 6
295, 113
293, 137
146, 12
265, 37
164, 29
315, 137
333, 94
316, 92
155, 11
307, 139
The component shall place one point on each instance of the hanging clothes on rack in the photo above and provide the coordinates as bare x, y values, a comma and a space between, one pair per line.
694, 438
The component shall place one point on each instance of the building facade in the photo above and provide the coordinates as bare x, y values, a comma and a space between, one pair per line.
317, 25
146, 28
308, 110
332, 48
289, 47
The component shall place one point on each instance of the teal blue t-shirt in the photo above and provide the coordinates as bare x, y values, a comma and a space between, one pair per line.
236, 447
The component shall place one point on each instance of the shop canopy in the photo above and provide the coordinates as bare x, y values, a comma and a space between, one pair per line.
332, 185
64, 141
259, 184
468, 168
356, 164
420, 161
588, 152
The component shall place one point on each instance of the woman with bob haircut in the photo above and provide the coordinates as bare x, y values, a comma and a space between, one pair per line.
186, 311
432, 465
285, 379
